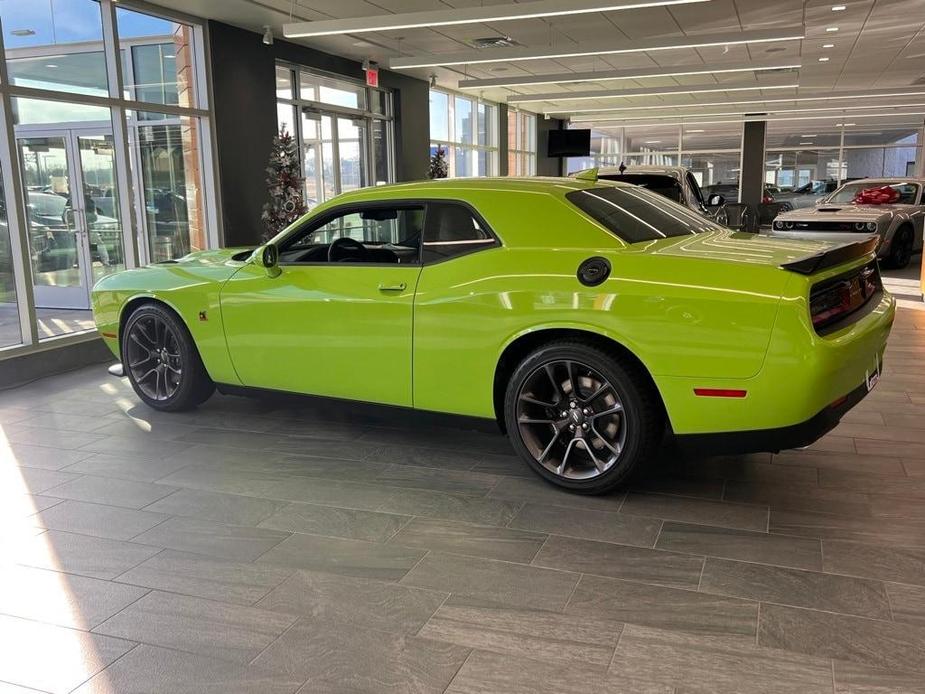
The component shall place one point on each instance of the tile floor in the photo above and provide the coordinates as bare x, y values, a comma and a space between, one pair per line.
252, 547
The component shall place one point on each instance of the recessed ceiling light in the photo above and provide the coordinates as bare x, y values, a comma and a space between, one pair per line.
653, 142
22, 32
699, 130
838, 8
828, 45
831, 29
823, 60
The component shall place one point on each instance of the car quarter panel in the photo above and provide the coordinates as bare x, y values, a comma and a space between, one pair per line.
682, 312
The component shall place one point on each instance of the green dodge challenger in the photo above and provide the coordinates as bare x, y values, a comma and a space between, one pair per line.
588, 318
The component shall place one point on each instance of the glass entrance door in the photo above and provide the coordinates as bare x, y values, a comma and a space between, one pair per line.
74, 230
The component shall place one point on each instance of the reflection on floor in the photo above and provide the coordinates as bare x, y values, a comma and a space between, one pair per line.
259, 548
51, 322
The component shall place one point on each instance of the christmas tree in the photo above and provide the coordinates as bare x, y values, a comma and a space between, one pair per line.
438, 164
284, 184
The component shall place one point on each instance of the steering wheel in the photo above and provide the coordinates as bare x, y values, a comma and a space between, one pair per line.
346, 249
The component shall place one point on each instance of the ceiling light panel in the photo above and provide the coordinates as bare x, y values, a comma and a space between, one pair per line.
608, 75
518, 54
823, 97
582, 96
469, 15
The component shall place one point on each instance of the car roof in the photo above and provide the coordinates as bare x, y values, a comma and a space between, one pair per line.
444, 186
674, 171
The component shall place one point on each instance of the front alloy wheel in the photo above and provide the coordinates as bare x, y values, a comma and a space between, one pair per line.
153, 357
161, 360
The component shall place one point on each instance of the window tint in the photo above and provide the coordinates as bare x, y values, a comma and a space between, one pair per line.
373, 235
451, 230
635, 214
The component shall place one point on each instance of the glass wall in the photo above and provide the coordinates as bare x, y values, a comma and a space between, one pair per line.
466, 129
344, 131
521, 143
111, 163
10, 332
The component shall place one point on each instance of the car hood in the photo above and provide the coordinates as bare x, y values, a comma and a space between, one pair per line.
220, 256
847, 212
735, 246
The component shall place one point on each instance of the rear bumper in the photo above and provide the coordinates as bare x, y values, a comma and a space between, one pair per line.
773, 440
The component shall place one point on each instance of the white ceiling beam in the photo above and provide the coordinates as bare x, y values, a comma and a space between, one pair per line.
467, 15
832, 110
511, 55
608, 75
879, 95
648, 91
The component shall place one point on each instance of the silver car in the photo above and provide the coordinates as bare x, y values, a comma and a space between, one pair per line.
838, 217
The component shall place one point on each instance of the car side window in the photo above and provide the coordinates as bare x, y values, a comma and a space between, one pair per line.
379, 234
451, 229
695, 188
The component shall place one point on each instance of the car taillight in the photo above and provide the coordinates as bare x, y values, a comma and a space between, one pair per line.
832, 301
767, 199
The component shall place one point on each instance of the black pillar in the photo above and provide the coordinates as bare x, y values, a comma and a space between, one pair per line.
546, 165
751, 177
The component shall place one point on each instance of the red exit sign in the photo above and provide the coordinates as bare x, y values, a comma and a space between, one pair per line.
372, 77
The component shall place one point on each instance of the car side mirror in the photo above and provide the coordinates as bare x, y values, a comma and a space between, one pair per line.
716, 200
267, 257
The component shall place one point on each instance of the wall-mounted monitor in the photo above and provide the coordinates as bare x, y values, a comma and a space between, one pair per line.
569, 143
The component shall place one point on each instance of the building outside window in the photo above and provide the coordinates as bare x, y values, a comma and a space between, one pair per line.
344, 130
107, 160
521, 143
467, 130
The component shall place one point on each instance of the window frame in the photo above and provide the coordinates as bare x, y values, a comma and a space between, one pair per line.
404, 203
475, 246
314, 223
470, 149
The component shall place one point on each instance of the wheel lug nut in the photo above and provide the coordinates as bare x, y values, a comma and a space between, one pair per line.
584, 426
564, 413
586, 411
573, 404
571, 427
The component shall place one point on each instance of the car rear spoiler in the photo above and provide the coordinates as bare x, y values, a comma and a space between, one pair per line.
832, 257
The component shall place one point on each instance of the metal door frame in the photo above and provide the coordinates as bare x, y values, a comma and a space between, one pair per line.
53, 297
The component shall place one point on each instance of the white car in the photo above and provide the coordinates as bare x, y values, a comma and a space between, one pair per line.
839, 217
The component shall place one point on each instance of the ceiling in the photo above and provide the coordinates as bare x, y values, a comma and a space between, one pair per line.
877, 57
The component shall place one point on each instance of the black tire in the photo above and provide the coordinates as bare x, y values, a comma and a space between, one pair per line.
156, 341
900, 250
641, 420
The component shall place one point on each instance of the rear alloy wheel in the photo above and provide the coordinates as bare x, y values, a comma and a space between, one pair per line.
161, 361
901, 250
581, 419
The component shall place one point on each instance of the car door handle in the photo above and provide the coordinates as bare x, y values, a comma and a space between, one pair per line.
400, 287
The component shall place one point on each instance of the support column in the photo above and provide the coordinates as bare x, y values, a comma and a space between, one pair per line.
751, 176
503, 169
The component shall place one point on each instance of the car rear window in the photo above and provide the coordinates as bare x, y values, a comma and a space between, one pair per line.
635, 214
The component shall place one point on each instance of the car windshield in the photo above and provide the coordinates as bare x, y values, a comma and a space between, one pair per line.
47, 204
667, 186
636, 214
908, 192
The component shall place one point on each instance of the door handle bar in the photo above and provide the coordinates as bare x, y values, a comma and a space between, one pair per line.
400, 287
